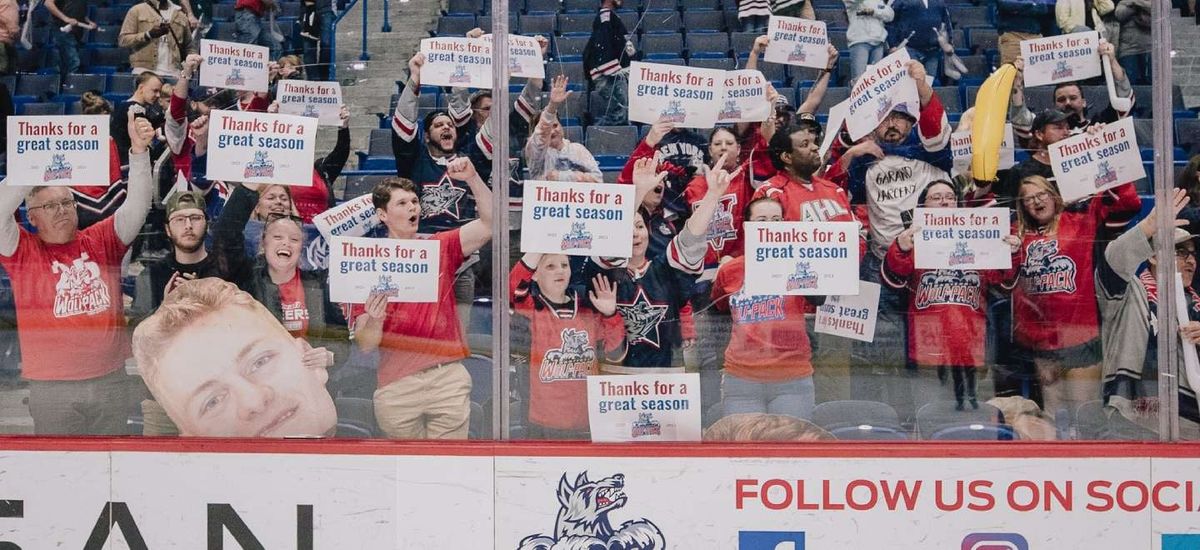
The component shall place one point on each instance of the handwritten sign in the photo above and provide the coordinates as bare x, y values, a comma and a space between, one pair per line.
321, 100
353, 218
961, 238
745, 98
686, 96
801, 258
644, 407
882, 88
962, 150
850, 316
261, 148
795, 41
1062, 58
1086, 164
406, 270
461, 62
58, 150
524, 57
234, 66
577, 219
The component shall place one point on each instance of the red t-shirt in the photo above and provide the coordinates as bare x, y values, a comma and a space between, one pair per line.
565, 347
311, 200
417, 336
70, 315
1054, 303
769, 342
947, 309
294, 306
817, 201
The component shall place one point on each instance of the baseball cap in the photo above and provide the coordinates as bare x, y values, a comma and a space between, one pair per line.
808, 120
183, 200
1181, 236
1049, 116
904, 109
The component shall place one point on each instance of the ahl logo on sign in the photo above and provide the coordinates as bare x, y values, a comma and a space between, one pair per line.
1181, 542
770, 540
994, 541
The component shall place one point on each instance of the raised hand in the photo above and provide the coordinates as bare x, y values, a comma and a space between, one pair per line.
376, 306
1179, 201
658, 130
603, 295
719, 178
461, 169
190, 65
414, 66
646, 175
558, 90
916, 70
905, 240
318, 358
760, 44
141, 133
344, 114
833, 58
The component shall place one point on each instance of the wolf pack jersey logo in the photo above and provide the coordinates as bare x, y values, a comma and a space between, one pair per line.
59, 169
642, 319
1045, 271
577, 237
730, 110
749, 310
674, 112
572, 360
720, 228
948, 287
1106, 176
798, 55
261, 166
1062, 70
441, 198
962, 254
235, 78
386, 287
645, 426
460, 74
583, 523
79, 290
804, 277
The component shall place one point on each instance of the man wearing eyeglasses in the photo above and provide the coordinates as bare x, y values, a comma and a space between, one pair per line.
67, 288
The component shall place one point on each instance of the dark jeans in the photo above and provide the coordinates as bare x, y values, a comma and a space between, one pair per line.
99, 406
316, 53
1137, 68
68, 52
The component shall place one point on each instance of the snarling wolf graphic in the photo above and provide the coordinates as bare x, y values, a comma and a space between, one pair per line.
583, 524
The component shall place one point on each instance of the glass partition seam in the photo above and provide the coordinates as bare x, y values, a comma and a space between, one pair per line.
1164, 176
500, 242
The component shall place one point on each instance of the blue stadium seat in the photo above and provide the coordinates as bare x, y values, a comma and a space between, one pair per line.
724, 63
975, 432
41, 109
514, 6
741, 42
574, 111
611, 145
224, 31
661, 46
122, 84
661, 22
514, 23
222, 12
834, 414
462, 7
379, 151
935, 416
833, 96
541, 6
970, 16
575, 23
574, 72
951, 100
703, 21
290, 9
707, 45
833, 17
105, 36
983, 40
1187, 134
867, 432
580, 6
542, 23
32, 87
108, 16
455, 25
711, 5
570, 48
77, 84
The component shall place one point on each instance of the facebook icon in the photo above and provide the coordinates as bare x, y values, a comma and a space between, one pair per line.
1181, 542
770, 540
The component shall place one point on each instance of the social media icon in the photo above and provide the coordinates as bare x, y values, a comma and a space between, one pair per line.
994, 541
770, 540
1181, 542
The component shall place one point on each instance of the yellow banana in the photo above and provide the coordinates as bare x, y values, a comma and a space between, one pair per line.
987, 130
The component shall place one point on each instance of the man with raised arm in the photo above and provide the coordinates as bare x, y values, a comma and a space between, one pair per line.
67, 288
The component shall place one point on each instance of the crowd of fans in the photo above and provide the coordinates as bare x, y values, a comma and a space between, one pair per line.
236, 335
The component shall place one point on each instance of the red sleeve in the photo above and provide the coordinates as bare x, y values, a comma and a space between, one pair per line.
178, 109
687, 325
835, 172
640, 152
720, 294
452, 252
695, 190
612, 333
258, 104
897, 266
931, 118
519, 280
114, 161
1118, 205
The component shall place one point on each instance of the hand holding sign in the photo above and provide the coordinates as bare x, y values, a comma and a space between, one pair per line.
603, 295
376, 306
141, 133
658, 130
905, 239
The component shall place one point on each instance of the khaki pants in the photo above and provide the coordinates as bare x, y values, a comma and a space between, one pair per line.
432, 404
1010, 45
98, 406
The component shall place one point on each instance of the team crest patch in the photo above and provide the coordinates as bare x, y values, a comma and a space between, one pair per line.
673, 113
1045, 271
441, 198
1062, 70
261, 167
1106, 175
645, 426
79, 290
803, 278
572, 360
459, 74
583, 524
642, 319
798, 55
310, 111
386, 287
59, 169
730, 110
962, 254
577, 238
235, 78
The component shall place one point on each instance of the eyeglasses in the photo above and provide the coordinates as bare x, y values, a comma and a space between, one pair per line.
1185, 253
942, 197
1040, 196
54, 207
192, 219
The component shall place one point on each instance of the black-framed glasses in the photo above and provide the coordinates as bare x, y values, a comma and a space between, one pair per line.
54, 207
191, 219
1040, 196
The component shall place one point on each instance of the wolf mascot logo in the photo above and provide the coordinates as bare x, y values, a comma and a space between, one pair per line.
582, 522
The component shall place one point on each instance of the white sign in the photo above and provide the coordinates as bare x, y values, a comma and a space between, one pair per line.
1062, 58
322, 100
577, 219
234, 66
745, 98
961, 238
524, 57
406, 270
460, 62
962, 151
837, 117
261, 147
801, 258
1087, 164
58, 150
644, 407
687, 96
796, 41
850, 316
881, 89
353, 218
